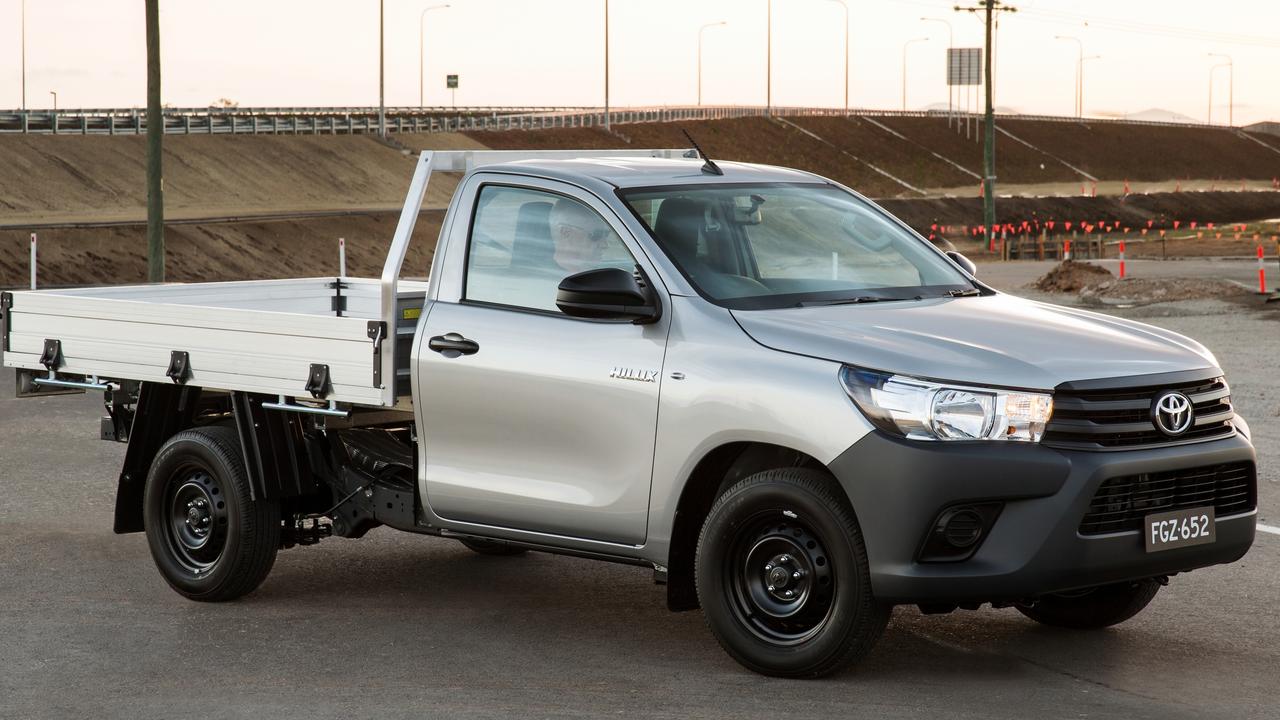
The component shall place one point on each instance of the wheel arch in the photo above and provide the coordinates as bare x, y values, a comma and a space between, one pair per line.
718, 469
277, 459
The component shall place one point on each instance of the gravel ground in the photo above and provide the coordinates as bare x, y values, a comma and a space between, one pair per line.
400, 626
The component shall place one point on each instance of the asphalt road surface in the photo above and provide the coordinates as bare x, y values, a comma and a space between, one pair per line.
400, 626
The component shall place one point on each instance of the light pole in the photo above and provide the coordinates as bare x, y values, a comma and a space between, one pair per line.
422, 44
845, 5
700, 31
1084, 60
54, 93
768, 58
24, 54
382, 62
1079, 70
951, 42
1231, 91
905, 45
1212, 71
606, 65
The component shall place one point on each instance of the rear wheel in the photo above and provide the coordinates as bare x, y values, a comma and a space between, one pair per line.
491, 547
1094, 608
782, 576
210, 541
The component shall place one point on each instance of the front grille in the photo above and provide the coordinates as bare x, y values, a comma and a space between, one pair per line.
1122, 502
1121, 418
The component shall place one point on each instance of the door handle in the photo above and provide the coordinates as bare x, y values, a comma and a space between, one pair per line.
452, 345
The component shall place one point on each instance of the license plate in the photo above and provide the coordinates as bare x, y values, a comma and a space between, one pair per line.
1180, 528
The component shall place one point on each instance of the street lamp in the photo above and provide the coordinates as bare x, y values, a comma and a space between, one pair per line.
1231, 92
905, 45
606, 65
54, 93
1079, 100
768, 58
421, 44
1084, 60
951, 42
700, 31
845, 5
24, 54
382, 62
1212, 71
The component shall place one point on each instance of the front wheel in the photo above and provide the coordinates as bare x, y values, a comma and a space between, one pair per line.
1094, 608
209, 539
782, 576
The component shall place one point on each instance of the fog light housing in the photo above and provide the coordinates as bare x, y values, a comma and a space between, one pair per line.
958, 531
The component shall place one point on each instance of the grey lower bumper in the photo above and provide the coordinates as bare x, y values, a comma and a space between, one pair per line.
898, 488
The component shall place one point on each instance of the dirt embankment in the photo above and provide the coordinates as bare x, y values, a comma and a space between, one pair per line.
67, 177
1050, 151
218, 251
1133, 211
1096, 284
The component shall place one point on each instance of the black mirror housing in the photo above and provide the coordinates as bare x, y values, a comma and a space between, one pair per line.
607, 294
965, 263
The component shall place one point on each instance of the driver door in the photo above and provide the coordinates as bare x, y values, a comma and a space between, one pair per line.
548, 425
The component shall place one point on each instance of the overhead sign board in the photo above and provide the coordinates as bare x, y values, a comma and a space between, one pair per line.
964, 66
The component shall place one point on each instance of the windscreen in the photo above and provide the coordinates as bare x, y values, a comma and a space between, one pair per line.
782, 245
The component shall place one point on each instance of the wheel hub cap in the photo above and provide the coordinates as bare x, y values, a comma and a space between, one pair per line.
197, 519
782, 580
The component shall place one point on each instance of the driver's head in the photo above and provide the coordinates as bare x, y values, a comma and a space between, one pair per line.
578, 234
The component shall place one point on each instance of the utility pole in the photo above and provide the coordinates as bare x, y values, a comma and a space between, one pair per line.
845, 6
700, 31
606, 65
155, 135
24, 54
382, 62
989, 8
1231, 88
768, 59
422, 44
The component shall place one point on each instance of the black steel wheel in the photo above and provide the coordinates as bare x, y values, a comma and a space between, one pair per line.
208, 538
782, 575
1094, 608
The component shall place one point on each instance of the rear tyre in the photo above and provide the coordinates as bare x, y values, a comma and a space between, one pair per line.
491, 547
210, 541
782, 576
1095, 608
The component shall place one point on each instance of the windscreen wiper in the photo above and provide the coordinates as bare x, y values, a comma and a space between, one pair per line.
968, 292
857, 300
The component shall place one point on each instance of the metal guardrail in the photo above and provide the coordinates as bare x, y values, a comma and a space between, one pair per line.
362, 120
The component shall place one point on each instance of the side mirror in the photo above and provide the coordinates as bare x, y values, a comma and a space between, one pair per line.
965, 263
607, 294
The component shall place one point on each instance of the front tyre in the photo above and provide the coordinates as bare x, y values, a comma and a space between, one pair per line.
210, 541
1095, 608
782, 576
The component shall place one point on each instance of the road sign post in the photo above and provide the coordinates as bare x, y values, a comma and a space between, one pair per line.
451, 84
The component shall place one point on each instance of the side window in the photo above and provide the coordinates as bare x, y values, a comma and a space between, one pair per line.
524, 242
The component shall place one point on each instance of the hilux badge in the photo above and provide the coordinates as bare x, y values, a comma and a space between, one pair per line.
1172, 413
622, 373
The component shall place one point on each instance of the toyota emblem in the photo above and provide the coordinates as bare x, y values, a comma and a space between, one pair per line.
1172, 413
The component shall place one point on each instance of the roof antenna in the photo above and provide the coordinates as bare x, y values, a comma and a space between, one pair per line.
709, 167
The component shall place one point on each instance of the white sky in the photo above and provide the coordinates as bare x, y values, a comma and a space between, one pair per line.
550, 52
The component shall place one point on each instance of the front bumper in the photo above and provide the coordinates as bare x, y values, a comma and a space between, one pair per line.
898, 488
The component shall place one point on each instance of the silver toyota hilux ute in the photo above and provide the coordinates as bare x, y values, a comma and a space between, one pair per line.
794, 408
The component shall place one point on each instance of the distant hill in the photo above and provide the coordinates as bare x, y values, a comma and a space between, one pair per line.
1153, 115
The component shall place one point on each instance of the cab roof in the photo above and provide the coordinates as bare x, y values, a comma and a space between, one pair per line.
631, 172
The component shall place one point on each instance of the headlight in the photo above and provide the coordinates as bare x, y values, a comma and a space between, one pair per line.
926, 410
